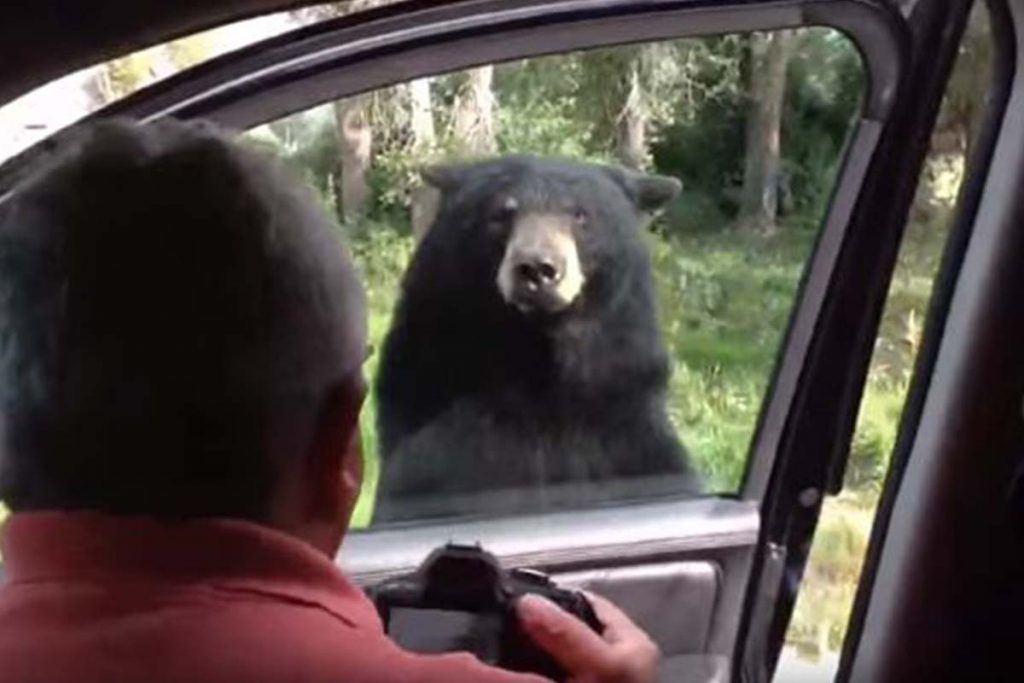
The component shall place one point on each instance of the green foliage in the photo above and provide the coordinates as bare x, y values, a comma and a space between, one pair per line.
538, 109
706, 152
826, 84
703, 141
382, 254
875, 435
704, 145
725, 301
392, 180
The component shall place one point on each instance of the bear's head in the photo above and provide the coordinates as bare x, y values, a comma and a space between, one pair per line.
544, 234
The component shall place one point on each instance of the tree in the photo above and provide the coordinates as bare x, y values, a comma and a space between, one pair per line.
424, 198
631, 139
355, 134
613, 96
352, 123
629, 95
473, 121
759, 198
355, 153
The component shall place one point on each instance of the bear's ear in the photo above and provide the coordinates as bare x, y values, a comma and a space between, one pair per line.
648, 192
444, 177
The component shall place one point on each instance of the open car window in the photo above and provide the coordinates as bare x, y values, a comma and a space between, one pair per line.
646, 377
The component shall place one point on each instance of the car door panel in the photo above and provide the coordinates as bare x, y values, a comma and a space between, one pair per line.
566, 541
673, 601
672, 561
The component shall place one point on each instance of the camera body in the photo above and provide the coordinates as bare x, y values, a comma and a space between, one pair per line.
461, 599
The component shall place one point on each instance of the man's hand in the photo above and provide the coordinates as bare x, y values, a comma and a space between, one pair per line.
623, 654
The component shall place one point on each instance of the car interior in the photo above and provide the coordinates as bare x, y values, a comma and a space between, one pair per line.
713, 578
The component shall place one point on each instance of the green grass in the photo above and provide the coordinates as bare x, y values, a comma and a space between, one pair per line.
725, 301
830, 582
382, 255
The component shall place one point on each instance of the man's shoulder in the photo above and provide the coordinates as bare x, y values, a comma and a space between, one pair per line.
214, 633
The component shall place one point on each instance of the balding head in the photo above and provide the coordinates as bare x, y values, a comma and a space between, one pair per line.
174, 308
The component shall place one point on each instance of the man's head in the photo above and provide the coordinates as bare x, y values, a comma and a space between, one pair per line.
180, 333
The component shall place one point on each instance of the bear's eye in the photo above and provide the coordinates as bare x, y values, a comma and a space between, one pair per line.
505, 212
579, 216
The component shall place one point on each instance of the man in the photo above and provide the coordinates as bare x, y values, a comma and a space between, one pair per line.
181, 343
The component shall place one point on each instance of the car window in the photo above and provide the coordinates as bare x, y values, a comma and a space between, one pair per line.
819, 623
555, 323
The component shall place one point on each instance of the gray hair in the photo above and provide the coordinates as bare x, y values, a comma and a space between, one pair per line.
166, 294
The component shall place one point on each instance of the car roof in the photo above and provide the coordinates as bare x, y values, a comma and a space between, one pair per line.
45, 39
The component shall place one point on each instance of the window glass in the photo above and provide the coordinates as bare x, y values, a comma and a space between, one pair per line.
561, 334
819, 621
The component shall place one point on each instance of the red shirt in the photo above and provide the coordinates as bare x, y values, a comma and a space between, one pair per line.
91, 598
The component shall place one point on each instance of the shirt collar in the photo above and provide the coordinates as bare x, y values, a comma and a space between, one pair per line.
227, 553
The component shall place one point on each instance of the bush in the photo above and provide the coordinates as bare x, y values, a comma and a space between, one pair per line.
706, 152
381, 252
695, 211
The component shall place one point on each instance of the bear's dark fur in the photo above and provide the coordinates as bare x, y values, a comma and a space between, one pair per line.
496, 400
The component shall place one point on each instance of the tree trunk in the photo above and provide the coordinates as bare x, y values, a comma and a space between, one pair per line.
631, 145
425, 199
759, 201
474, 113
355, 147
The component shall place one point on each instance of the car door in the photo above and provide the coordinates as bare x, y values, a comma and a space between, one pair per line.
713, 577
941, 592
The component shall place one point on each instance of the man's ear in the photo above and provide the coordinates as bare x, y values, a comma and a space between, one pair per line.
337, 457
649, 193
444, 177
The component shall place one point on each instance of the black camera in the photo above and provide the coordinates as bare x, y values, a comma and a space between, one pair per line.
461, 599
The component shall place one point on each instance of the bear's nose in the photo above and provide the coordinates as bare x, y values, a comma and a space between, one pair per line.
538, 271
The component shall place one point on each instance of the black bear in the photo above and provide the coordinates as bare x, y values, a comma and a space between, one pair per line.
525, 368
